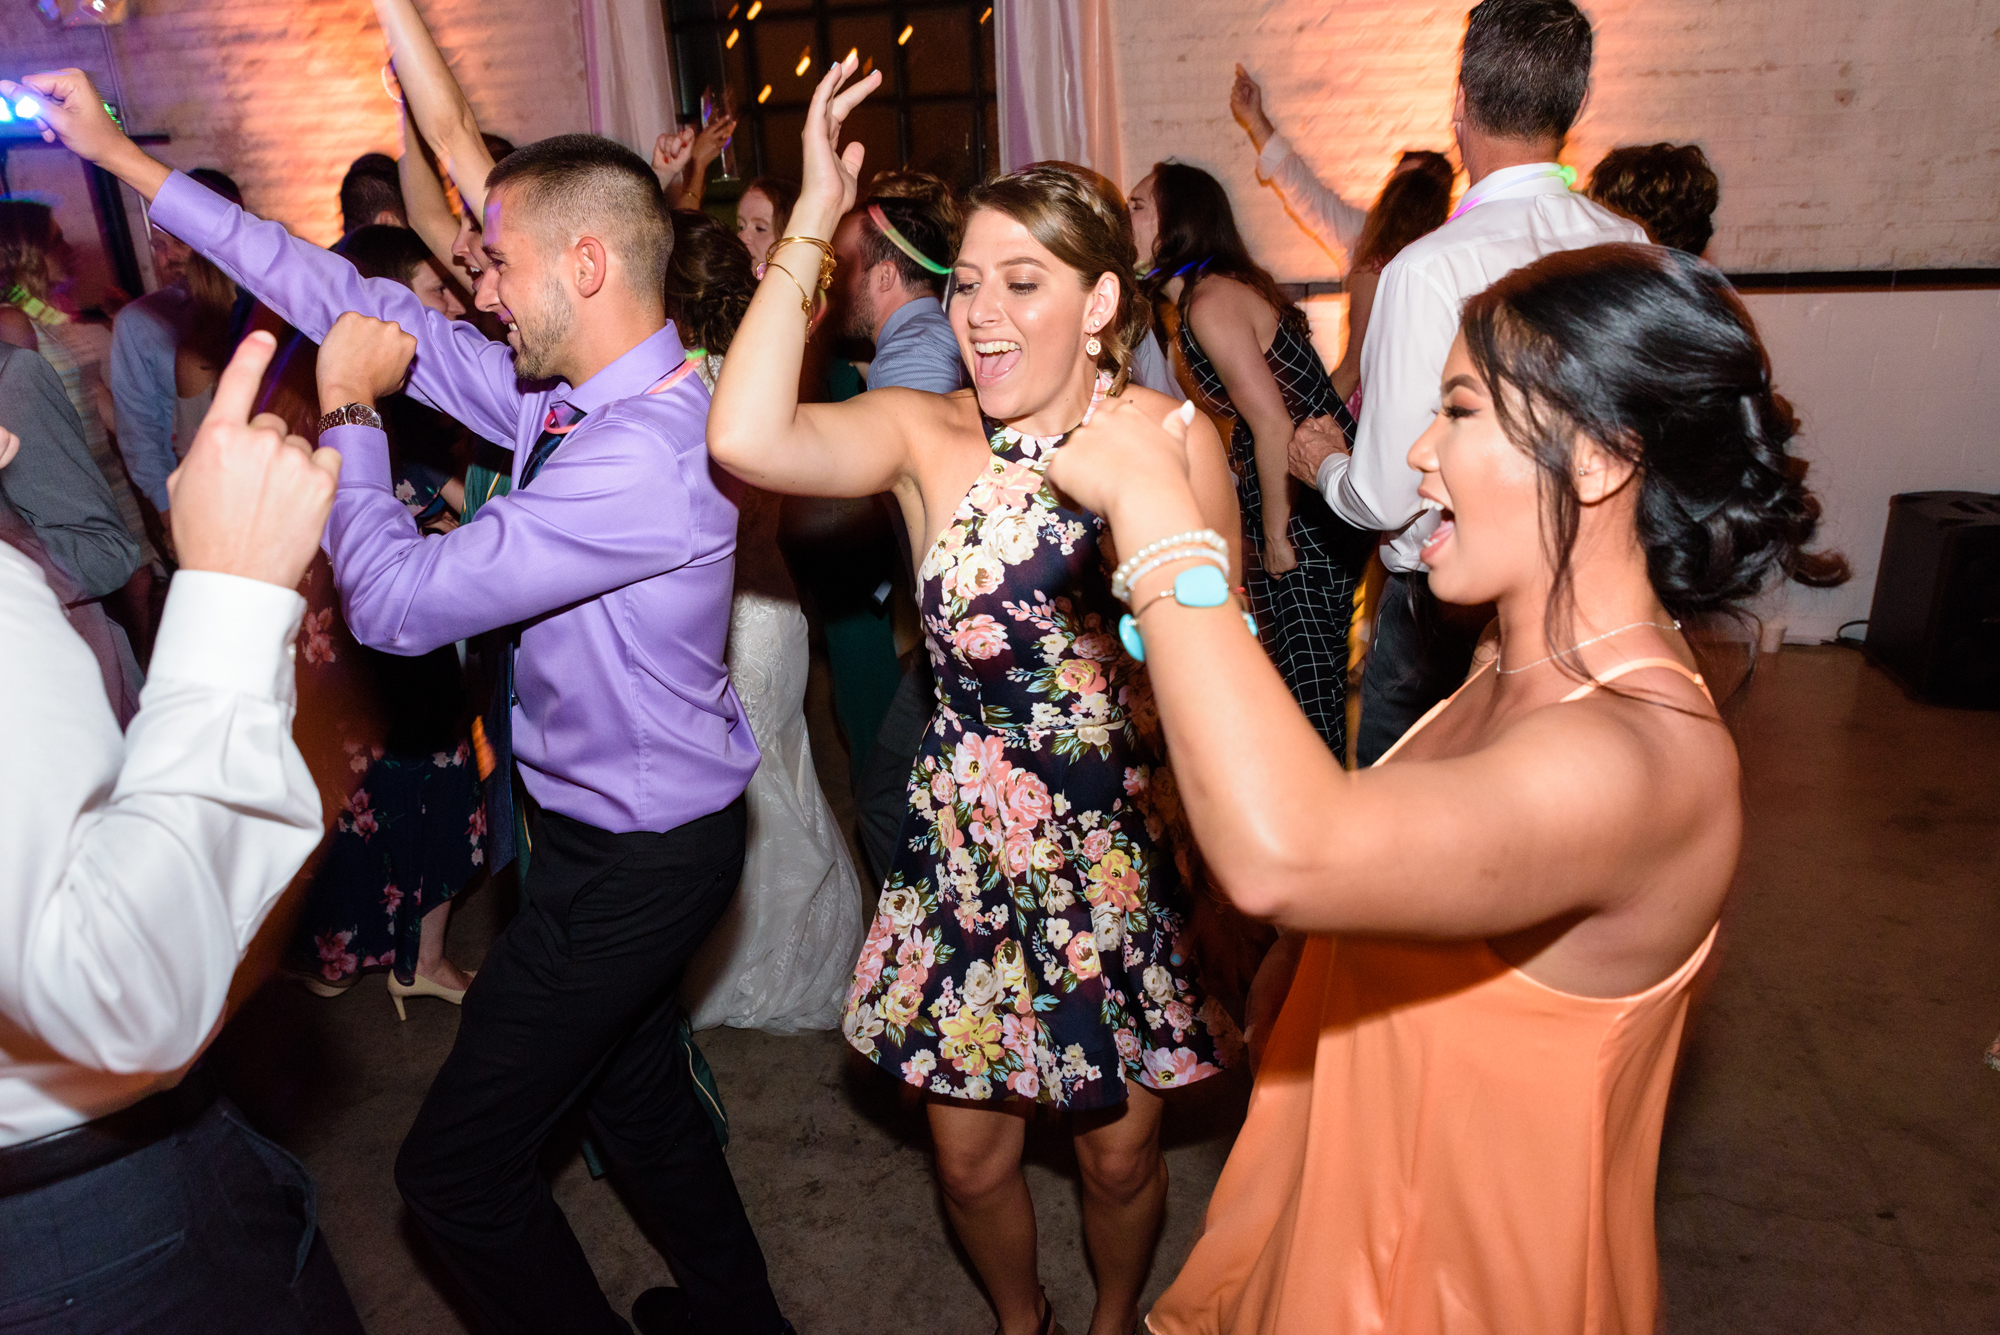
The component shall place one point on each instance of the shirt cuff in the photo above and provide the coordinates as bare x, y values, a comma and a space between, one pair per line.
364, 454
228, 633
1276, 149
1331, 470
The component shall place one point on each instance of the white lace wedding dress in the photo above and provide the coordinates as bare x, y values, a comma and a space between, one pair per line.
781, 957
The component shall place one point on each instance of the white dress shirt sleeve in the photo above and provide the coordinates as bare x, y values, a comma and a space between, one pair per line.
1409, 336
1332, 221
137, 868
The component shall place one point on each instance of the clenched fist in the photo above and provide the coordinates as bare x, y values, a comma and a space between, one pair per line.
362, 360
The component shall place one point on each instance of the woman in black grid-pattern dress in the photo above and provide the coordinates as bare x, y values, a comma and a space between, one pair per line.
1183, 224
1304, 614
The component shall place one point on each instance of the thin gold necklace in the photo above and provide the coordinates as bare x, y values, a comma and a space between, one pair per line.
1580, 644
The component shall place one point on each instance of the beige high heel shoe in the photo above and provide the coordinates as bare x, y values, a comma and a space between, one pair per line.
420, 986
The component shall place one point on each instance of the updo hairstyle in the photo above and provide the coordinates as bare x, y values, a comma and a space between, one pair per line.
709, 281
1081, 219
1651, 354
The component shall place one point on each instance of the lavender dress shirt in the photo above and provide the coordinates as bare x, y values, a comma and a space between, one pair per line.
619, 558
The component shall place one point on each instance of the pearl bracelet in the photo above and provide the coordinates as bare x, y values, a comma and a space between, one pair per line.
1123, 591
1204, 537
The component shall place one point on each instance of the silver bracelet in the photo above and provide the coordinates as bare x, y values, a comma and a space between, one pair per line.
1206, 537
1123, 592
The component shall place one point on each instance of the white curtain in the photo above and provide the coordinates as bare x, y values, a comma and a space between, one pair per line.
630, 74
1058, 87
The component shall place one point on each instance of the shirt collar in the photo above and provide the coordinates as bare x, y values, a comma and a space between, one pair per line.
903, 314
1528, 178
632, 373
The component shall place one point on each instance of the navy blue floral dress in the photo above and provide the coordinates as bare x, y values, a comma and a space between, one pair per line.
412, 833
1026, 942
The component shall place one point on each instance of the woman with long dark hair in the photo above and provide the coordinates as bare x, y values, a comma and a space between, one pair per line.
1028, 946
1250, 354
1416, 200
1471, 1071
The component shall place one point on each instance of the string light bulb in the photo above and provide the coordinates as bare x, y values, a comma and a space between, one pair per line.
903, 37
805, 62
729, 42
765, 95
756, 8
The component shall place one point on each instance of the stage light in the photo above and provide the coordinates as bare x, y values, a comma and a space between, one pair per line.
903, 38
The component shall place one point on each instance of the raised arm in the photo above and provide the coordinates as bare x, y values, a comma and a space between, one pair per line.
1329, 219
757, 428
424, 201
611, 508
1543, 823
435, 101
141, 867
1225, 317
458, 370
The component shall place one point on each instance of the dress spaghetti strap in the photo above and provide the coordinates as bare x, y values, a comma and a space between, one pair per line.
1634, 665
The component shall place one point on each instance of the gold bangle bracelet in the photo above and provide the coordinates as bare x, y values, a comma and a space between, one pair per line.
825, 248
805, 303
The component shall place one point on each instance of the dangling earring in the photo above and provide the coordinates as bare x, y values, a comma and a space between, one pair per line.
1092, 346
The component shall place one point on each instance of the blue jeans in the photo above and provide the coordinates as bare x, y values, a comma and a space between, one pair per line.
212, 1229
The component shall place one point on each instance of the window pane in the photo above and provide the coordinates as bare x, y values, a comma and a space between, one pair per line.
779, 46
689, 11
990, 78
875, 127
872, 36
941, 143
704, 62
940, 51
992, 138
782, 153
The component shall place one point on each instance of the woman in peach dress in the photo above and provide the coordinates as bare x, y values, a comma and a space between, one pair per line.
1456, 1124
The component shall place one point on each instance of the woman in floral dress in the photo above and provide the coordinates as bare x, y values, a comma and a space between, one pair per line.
1026, 948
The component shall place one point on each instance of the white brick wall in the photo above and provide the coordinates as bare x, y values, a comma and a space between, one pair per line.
1848, 134
283, 94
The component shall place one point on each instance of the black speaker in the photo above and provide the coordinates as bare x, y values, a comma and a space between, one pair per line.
1935, 623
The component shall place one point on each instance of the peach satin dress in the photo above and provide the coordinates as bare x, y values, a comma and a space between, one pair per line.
1439, 1145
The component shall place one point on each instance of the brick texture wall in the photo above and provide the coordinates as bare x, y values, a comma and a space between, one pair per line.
283, 94
1848, 134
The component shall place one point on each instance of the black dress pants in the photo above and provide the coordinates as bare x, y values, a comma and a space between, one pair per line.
210, 1231
576, 1002
1420, 654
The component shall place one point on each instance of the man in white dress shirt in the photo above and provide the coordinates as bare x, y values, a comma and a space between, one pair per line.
134, 871
1523, 73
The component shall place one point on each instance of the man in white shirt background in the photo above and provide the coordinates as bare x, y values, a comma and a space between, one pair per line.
134, 872
1524, 70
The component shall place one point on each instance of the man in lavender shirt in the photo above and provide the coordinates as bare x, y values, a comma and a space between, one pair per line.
611, 563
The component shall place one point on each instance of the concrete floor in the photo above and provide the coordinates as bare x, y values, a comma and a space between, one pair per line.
1830, 1162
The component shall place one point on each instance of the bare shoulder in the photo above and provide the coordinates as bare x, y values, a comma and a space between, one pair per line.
1221, 297
18, 329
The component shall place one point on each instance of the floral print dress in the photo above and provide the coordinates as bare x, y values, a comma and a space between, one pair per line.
1026, 941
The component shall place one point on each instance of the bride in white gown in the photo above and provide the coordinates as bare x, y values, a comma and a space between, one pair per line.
782, 956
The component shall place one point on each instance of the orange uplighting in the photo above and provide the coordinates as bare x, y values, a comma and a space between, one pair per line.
764, 96
805, 62
756, 8
903, 37
730, 41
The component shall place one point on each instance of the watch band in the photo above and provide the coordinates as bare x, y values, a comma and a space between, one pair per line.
351, 414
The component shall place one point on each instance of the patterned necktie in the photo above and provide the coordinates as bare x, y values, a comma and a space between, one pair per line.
493, 732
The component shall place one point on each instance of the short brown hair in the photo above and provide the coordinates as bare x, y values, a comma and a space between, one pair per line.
1081, 219
1669, 189
1525, 67
587, 182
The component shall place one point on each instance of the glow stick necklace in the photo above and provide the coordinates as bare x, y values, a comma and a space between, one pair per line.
1473, 199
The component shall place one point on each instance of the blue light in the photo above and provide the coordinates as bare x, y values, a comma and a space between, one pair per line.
27, 108
6, 112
